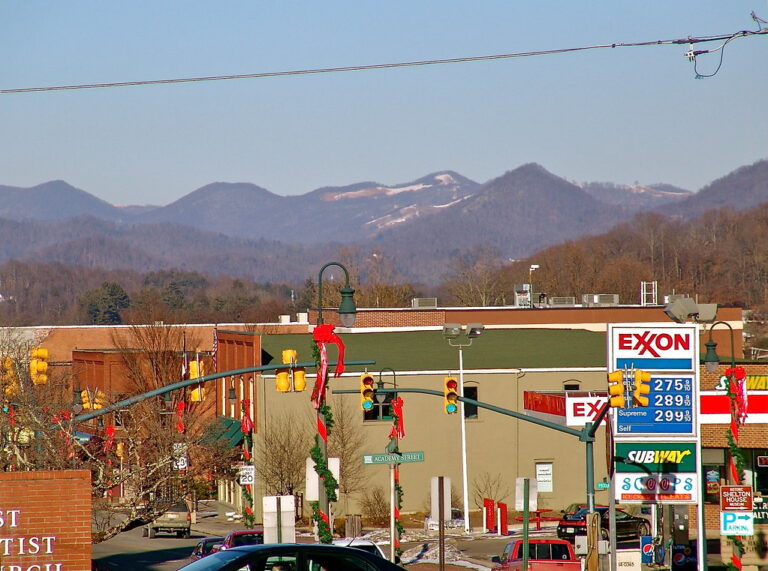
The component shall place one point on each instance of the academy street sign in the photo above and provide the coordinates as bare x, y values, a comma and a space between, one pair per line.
401, 458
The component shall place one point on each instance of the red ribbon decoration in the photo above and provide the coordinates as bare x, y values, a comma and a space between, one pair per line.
110, 432
322, 335
397, 407
246, 424
180, 406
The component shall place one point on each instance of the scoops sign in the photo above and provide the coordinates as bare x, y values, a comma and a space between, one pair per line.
653, 348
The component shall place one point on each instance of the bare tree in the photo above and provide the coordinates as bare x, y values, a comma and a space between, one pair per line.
281, 449
346, 443
488, 486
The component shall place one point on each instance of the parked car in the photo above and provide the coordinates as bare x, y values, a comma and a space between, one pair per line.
543, 555
293, 557
240, 537
175, 519
627, 526
359, 543
204, 547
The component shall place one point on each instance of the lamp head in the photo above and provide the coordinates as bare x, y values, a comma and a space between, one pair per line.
474, 330
534, 267
451, 330
711, 359
347, 308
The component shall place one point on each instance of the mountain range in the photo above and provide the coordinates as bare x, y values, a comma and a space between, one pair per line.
241, 229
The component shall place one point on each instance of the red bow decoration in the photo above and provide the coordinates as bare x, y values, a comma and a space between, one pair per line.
322, 335
180, 406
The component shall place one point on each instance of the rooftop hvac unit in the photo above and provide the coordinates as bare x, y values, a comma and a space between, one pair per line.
562, 301
674, 297
422, 302
600, 299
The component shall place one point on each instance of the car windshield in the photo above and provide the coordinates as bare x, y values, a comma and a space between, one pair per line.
247, 539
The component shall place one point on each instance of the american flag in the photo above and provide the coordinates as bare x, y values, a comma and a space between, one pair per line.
184, 361
215, 350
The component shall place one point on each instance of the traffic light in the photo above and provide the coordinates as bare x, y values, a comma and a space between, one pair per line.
283, 381
366, 391
10, 383
197, 395
38, 365
616, 389
451, 395
99, 399
642, 387
85, 398
196, 369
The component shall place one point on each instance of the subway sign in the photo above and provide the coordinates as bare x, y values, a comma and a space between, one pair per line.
655, 457
653, 348
660, 472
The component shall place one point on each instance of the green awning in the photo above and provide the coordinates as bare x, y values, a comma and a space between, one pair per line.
225, 430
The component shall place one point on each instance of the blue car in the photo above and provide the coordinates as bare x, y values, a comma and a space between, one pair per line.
292, 557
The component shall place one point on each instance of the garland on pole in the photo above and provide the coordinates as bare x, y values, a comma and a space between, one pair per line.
322, 335
395, 434
246, 427
737, 393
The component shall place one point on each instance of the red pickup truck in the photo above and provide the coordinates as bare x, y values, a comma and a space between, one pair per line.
543, 555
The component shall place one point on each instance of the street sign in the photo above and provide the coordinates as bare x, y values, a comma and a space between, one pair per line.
603, 485
401, 458
737, 523
247, 474
736, 498
670, 409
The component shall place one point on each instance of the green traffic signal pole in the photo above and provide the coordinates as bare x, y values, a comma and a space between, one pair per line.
190, 382
586, 435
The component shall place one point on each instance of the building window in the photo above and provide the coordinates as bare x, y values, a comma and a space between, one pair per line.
470, 410
381, 410
544, 476
713, 472
571, 385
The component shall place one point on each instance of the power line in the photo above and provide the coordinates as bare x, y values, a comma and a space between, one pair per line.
689, 40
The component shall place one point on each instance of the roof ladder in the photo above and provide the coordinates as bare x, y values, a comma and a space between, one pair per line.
649, 293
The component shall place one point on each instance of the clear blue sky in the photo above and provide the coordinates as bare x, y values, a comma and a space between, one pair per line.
620, 115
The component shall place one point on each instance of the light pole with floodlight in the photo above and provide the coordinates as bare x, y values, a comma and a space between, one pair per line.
451, 332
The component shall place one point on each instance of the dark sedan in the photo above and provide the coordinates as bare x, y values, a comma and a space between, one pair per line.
292, 557
627, 526
204, 547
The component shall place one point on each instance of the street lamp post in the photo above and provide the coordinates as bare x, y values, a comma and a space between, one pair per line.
451, 332
347, 313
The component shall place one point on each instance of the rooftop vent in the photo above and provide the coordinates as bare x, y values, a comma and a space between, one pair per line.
562, 301
422, 302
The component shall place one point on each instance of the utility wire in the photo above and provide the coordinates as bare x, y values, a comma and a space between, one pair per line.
689, 40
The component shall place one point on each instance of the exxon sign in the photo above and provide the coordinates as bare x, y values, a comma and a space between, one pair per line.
653, 348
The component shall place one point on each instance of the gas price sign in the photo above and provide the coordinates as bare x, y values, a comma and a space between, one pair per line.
670, 409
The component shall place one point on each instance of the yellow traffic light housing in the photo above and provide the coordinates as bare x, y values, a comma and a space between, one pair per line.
10, 382
283, 381
642, 387
38, 365
450, 395
197, 395
616, 389
299, 379
366, 391
196, 369
85, 399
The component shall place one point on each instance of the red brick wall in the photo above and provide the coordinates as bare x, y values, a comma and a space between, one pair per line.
45, 518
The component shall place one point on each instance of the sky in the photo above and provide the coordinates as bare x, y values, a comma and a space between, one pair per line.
625, 115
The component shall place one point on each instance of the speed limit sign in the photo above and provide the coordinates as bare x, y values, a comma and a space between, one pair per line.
247, 474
